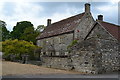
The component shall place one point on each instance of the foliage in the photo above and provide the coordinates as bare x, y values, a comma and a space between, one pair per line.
18, 48
4, 33
0, 33
0, 46
24, 30
18, 30
72, 43
29, 34
40, 28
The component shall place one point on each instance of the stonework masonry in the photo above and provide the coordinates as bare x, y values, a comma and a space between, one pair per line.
95, 52
56, 44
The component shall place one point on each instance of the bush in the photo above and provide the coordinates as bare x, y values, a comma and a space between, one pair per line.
18, 48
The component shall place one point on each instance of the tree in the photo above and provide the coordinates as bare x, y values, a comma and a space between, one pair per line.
24, 30
18, 30
29, 34
40, 28
4, 33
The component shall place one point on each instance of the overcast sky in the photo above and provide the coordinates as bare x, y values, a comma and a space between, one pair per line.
38, 12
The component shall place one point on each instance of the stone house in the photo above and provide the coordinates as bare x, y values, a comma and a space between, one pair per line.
80, 43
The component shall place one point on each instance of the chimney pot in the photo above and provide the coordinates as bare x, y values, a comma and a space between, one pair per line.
100, 17
87, 7
48, 22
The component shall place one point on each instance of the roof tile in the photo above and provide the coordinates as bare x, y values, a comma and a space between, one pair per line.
111, 28
63, 26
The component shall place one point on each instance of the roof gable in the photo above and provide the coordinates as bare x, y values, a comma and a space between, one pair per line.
61, 27
111, 28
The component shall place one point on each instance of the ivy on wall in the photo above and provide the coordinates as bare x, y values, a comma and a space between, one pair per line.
72, 44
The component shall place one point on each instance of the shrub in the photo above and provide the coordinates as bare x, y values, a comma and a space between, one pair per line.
18, 48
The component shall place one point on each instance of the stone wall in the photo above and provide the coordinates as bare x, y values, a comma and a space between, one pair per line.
88, 56
84, 27
56, 44
83, 61
96, 52
110, 55
56, 62
84, 58
102, 56
108, 46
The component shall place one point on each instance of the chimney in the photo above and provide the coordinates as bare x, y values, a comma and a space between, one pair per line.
87, 7
100, 17
48, 22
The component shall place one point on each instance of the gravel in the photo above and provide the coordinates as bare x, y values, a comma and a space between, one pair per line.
13, 68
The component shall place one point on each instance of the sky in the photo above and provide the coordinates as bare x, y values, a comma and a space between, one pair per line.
37, 12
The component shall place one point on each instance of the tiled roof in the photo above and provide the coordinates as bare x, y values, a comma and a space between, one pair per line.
113, 29
61, 27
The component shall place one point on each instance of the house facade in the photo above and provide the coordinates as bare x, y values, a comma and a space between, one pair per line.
80, 43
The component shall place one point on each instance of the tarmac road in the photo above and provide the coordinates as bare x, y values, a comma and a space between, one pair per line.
62, 77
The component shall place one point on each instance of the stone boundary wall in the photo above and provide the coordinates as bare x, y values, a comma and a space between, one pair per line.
110, 55
56, 62
104, 58
81, 61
